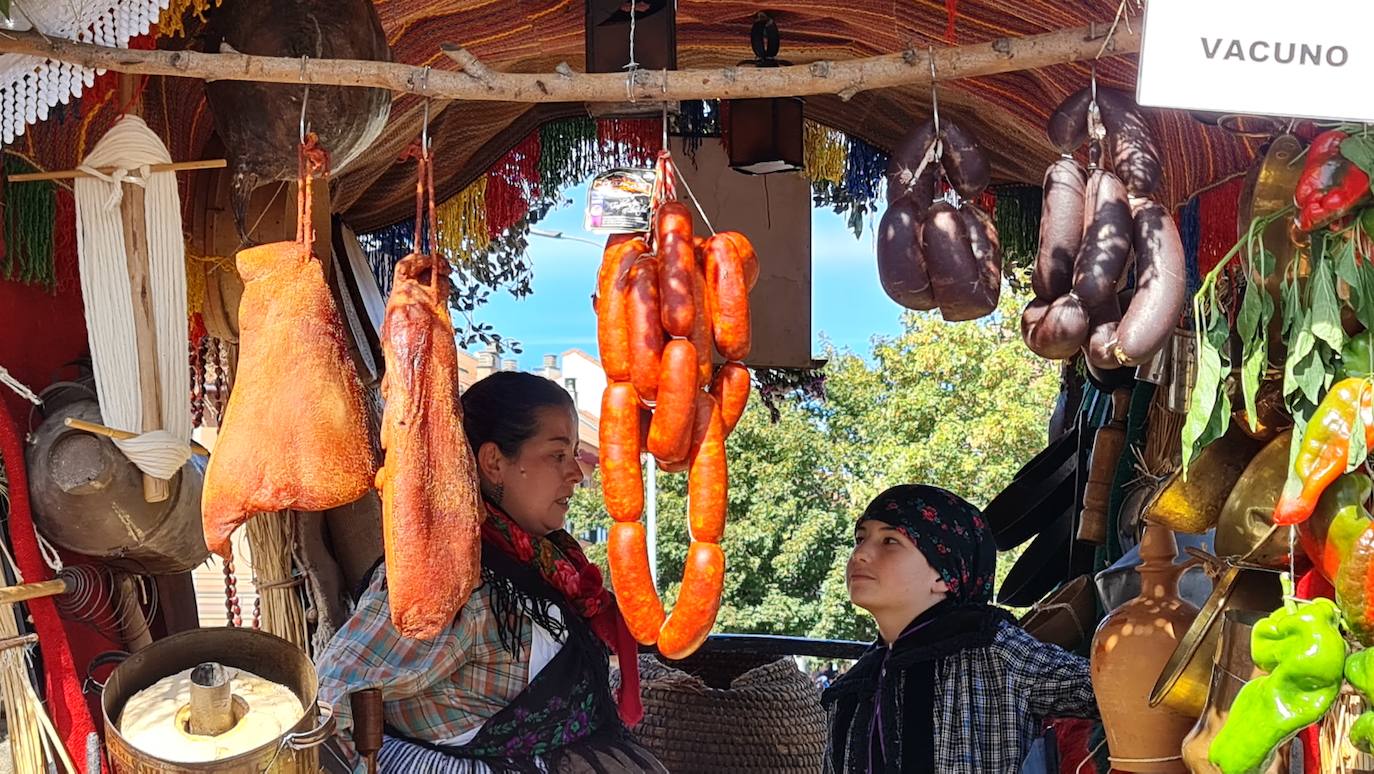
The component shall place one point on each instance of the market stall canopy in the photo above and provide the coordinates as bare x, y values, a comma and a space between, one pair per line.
1007, 111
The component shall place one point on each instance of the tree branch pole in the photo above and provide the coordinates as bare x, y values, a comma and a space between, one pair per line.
476, 81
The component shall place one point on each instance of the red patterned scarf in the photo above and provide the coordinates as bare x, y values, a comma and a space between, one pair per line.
560, 561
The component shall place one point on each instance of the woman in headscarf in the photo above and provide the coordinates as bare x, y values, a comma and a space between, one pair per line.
952, 684
519, 680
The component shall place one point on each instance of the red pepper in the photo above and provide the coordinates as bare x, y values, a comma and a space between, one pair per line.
1330, 185
1325, 449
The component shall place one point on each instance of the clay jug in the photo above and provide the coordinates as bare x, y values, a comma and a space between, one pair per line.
1234, 669
1129, 652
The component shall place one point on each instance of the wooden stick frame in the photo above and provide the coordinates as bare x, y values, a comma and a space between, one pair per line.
476, 81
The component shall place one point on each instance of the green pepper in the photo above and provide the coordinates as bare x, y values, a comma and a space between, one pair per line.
1302, 649
1325, 451
1357, 356
1360, 673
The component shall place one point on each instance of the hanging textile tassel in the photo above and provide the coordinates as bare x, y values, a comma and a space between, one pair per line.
864, 169
824, 150
1017, 217
66, 275
512, 184
567, 154
1218, 211
384, 247
1190, 231
462, 230
951, 17
108, 296
172, 22
30, 217
629, 142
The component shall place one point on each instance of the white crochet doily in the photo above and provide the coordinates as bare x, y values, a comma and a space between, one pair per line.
30, 86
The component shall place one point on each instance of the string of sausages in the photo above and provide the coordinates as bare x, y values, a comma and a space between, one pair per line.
664, 300
1092, 222
931, 253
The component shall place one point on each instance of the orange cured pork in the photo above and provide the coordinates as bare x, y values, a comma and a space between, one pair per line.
431, 509
295, 431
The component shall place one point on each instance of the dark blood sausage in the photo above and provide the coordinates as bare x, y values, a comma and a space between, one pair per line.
987, 252
1055, 330
906, 159
964, 162
1068, 128
1130, 143
1061, 229
1106, 243
1106, 321
901, 268
1160, 288
955, 276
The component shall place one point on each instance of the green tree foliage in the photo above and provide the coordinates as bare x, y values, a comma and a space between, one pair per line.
961, 406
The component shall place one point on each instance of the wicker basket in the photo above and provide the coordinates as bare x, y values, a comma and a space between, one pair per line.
768, 719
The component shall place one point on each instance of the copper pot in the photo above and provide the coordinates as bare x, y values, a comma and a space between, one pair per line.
1245, 526
1193, 503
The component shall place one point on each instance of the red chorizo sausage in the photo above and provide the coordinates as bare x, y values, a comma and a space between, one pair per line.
618, 439
1061, 229
727, 297
627, 552
708, 477
701, 327
698, 602
670, 431
676, 259
644, 327
612, 336
731, 389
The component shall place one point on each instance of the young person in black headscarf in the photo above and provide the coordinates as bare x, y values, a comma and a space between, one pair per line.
952, 684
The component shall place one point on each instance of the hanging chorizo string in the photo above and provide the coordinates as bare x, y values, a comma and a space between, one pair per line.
694, 293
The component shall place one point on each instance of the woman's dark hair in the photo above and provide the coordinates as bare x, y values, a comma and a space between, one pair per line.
501, 409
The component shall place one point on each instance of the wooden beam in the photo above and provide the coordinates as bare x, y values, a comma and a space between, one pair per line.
477, 81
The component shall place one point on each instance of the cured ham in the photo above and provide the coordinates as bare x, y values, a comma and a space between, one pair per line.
431, 510
295, 432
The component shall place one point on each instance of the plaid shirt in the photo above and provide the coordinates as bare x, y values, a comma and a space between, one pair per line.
436, 690
990, 703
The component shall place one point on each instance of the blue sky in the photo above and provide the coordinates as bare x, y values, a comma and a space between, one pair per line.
848, 305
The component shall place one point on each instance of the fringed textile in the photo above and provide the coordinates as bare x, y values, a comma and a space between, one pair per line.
1190, 233
825, 151
30, 217
462, 231
629, 142
567, 154
1219, 209
864, 168
172, 22
65, 272
384, 247
512, 185
1017, 217
951, 20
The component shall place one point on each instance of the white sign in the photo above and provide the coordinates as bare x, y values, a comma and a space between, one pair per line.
1308, 59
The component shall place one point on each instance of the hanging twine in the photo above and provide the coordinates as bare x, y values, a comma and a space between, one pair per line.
462, 233
824, 150
30, 216
130, 147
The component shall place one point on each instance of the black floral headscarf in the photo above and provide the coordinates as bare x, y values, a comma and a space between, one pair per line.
950, 532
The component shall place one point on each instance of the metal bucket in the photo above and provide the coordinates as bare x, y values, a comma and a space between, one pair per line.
269, 657
88, 498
